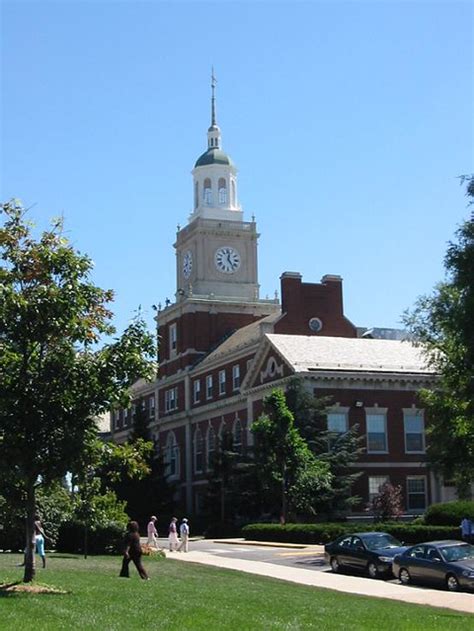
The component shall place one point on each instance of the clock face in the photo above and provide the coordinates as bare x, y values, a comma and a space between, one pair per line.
187, 264
227, 260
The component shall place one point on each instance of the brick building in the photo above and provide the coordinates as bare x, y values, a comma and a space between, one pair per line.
223, 349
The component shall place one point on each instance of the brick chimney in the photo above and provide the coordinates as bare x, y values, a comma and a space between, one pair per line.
313, 308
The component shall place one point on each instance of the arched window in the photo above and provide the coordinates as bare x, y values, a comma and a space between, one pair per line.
222, 191
237, 436
196, 194
171, 456
211, 447
207, 192
198, 451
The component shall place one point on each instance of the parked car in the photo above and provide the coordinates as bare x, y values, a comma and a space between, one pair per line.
448, 563
370, 552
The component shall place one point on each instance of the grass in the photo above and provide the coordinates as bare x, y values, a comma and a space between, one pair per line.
189, 597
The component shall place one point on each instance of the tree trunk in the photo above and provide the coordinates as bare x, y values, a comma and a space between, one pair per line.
30, 569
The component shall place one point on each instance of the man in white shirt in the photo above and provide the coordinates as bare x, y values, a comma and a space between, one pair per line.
184, 532
152, 532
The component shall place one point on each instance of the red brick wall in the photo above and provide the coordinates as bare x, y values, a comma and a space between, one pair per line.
303, 301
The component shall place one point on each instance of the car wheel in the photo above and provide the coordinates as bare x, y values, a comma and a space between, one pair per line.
335, 565
452, 583
372, 570
404, 576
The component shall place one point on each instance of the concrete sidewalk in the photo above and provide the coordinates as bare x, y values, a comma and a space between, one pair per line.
338, 582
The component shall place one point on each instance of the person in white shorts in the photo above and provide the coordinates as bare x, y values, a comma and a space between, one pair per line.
152, 532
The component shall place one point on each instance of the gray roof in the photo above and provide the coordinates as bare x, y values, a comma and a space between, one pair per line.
305, 353
245, 337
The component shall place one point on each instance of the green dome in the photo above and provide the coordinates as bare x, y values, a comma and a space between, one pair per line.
213, 156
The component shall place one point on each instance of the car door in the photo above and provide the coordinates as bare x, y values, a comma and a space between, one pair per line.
344, 551
357, 554
416, 558
435, 567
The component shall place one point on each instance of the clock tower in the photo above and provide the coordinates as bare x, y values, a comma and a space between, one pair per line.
217, 288
216, 253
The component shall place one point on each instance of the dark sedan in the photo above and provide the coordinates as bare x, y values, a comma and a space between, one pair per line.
448, 563
370, 552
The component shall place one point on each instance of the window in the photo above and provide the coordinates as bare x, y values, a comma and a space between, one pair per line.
209, 387
221, 381
171, 399
171, 456
211, 447
376, 433
197, 390
236, 377
222, 187
237, 436
151, 406
375, 483
207, 192
416, 492
337, 422
414, 432
173, 339
198, 451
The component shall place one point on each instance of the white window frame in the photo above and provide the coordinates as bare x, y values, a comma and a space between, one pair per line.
222, 382
172, 457
376, 412
238, 445
209, 387
236, 377
151, 406
210, 431
381, 480
409, 413
171, 399
173, 339
198, 441
425, 493
197, 390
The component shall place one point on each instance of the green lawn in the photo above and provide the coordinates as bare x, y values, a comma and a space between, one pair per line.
186, 597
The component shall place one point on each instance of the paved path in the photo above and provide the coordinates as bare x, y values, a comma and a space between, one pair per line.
352, 584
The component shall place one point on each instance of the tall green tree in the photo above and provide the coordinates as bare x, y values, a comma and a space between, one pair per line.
340, 451
293, 476
442, 325
55, 377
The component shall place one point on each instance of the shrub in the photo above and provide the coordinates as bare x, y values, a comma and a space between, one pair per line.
221, 530
324, 533
388, 503
449, 513
104, 539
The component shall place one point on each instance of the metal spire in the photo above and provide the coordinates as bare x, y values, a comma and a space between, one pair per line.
213, 99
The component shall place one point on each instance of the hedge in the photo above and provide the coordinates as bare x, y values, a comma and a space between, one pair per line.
449, 513
324, 533
102, 540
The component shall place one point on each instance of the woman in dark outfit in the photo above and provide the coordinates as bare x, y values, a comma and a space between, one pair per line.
133, 551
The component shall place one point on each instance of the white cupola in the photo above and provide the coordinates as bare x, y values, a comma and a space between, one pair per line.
215, 177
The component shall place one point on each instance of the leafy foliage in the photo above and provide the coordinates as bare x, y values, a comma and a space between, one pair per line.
388, 503
442, 324
55, 377
449, 513
291, 476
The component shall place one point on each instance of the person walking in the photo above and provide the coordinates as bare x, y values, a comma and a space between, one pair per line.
466, 529
152, 532
173, 535
184, 532
132, 552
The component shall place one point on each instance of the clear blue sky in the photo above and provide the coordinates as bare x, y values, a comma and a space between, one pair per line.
349, 123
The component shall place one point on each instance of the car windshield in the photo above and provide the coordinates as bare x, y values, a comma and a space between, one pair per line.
376, 542
457, 552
